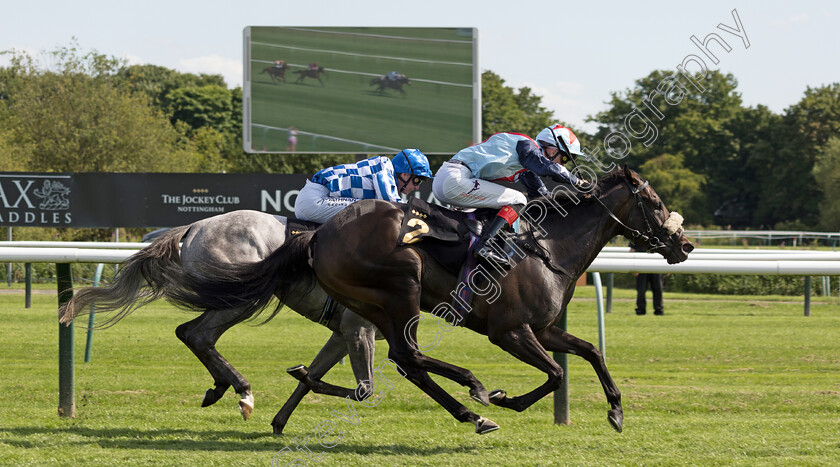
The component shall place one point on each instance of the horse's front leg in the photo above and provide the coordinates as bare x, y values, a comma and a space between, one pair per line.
557, 340
523, 344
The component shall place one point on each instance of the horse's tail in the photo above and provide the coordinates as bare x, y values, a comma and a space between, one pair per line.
249, 286
141, 280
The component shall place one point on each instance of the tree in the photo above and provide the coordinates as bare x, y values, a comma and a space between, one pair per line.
827, 174
675, 184
202, 106
791, 192
748, 191
157, 82
74, 118
503, 109
665, 114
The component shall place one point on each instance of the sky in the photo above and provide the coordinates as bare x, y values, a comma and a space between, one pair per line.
573, 54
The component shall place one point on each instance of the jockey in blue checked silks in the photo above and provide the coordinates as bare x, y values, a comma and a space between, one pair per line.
332, 189
467, 179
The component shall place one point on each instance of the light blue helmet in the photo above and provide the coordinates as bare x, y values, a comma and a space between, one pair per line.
412, 161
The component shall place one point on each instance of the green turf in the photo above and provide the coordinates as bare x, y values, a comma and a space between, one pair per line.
434, 114
716, 381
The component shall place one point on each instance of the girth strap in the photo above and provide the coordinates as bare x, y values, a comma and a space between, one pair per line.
327, 313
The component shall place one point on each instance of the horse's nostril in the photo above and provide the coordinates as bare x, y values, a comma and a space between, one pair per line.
687, 248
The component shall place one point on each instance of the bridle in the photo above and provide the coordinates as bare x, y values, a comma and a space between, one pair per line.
650, 238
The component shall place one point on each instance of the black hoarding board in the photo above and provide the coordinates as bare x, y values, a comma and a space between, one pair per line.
138, 200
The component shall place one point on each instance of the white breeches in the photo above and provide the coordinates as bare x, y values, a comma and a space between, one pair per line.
454, 184
314, 203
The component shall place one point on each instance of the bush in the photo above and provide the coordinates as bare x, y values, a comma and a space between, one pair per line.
727, 284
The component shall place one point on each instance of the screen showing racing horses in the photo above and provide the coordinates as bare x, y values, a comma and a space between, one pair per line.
360, 90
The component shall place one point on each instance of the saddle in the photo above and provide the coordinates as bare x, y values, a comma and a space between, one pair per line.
297, 226
445, 235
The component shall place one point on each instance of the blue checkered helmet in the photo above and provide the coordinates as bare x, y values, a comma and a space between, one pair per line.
412, 161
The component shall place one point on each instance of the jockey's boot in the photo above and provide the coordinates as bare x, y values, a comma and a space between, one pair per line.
483, 250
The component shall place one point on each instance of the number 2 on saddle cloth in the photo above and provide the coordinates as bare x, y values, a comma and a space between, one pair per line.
447, 236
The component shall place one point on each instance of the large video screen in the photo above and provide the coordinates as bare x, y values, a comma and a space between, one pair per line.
360, 90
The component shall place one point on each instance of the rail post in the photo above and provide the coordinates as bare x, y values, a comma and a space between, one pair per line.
66, 383
807, 295
561, 395
27, 267
92, 316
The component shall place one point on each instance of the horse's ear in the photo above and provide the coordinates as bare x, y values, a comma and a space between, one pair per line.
627, 172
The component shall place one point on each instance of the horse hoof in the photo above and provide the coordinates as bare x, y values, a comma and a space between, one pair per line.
616, 419
497, 396
278, 429
246, 406
480, 395
210, 398
298, 372
485, 425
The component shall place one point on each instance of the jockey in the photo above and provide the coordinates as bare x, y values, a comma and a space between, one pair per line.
393, 76
313, 66
467, 179
332, 189
279, 63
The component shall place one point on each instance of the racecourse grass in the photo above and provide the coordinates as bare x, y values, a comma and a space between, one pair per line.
716, 381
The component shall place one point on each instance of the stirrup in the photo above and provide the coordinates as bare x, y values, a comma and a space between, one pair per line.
487, 254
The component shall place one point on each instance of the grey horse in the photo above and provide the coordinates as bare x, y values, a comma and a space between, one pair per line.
233, 238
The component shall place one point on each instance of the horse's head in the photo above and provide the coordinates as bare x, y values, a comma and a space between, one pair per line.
650, 225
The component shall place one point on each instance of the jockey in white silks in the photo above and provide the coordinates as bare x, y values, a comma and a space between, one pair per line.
467, 179
332, 189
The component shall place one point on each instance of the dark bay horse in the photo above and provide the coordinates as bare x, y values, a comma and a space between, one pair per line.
309, 73
357, 260
233, 238
276, 73
384, 83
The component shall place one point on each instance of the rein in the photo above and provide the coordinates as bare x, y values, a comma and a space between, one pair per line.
649, 238
542, 253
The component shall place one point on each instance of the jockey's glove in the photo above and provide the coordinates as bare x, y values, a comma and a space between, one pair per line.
584, 185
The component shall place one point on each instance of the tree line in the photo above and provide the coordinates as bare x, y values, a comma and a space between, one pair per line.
709, 156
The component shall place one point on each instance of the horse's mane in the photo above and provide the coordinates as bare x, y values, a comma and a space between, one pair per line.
611, 179
569, 197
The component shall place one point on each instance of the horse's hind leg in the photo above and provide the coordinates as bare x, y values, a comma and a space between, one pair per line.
402, 339
327, 357
200, 335
357, 338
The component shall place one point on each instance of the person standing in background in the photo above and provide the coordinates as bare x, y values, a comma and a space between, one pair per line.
642, 282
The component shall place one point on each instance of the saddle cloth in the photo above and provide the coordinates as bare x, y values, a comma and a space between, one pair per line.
445, 235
